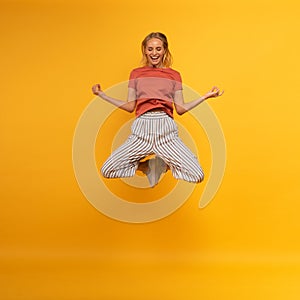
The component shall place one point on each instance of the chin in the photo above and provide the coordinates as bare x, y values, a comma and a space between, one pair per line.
157, 65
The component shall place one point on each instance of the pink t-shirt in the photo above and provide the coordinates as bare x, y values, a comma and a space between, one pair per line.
155, 88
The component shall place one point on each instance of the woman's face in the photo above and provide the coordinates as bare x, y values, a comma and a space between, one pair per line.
154, 52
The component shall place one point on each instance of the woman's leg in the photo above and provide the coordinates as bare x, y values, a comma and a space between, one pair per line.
180, 159
124, 161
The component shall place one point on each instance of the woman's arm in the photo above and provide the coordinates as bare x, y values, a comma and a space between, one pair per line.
182, 107
129, 105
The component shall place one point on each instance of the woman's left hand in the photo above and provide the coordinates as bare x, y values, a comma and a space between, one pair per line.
213, 93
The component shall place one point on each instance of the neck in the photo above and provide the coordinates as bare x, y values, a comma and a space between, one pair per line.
156, 66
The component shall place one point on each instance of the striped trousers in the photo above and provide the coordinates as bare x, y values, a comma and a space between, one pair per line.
153, 133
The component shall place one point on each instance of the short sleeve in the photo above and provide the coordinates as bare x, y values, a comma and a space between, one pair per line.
131, 82
178, 81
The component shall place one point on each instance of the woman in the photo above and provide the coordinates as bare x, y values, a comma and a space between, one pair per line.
153, 89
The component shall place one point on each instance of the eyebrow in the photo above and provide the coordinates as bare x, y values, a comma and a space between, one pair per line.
154, 47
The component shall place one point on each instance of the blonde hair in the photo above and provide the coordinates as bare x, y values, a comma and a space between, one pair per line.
167, 59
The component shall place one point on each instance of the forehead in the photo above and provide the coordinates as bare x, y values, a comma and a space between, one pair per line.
154, 42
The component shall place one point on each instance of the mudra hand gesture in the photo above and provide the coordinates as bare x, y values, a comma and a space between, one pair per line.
96, 89
213, 93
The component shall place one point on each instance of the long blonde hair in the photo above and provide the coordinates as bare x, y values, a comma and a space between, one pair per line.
167, 59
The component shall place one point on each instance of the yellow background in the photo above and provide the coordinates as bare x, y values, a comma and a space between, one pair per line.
244, 245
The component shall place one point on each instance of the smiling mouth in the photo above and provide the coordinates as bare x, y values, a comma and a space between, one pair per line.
154, 58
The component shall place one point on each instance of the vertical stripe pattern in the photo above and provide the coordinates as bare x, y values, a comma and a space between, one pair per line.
153, 133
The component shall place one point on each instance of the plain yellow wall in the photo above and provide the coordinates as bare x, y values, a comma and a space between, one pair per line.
52, 52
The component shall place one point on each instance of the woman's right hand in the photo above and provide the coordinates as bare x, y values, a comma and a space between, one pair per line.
96, 89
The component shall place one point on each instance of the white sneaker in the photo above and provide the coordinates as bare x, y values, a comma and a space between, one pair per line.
160, 167
157, 166
151, 173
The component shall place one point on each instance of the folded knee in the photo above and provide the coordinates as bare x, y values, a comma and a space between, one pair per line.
199, 177
106, 173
